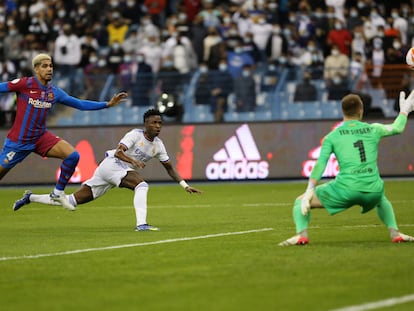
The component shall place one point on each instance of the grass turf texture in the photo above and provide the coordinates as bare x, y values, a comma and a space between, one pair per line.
350, 260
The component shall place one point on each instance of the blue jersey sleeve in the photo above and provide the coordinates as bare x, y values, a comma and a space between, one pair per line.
63, 98
3, 87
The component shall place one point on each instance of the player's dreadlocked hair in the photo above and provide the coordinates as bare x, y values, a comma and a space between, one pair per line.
151, 112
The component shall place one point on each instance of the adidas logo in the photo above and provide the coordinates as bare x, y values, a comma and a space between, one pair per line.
238, 159
332, 167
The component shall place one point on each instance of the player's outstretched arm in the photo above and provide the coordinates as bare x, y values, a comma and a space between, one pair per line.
174, 175
117, 99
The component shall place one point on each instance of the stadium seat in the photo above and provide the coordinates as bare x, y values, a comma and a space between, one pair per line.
201, 113
331, 109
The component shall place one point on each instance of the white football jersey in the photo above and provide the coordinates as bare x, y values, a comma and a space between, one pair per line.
140, 148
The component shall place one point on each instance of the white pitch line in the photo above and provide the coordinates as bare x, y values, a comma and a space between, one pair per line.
86, 250
378, 304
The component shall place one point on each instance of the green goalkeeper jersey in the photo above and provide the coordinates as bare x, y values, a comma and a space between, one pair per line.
355, 145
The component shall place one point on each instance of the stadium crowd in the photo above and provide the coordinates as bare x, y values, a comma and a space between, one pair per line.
159, 46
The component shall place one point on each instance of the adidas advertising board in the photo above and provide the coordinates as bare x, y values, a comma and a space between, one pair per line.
238, 159
219, 152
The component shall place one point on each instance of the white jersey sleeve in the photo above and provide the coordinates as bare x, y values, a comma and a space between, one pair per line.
142, 149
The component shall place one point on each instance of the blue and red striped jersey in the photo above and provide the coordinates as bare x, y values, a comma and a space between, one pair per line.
34, 102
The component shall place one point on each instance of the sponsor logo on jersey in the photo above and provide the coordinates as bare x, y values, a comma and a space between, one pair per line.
39, 104
238, 159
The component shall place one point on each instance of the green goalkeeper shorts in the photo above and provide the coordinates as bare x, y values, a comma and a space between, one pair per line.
338, 199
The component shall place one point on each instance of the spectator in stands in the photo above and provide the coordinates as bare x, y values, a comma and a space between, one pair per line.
376, 18
270, 77
401, 24
221, 86
276, 43
250, 46
358, 44
67, 56
132, 42
152, 51
202, 94
336, 66
183, 54
237, 59
245, 90
8, 69
242, 21
376, 60
261, 31
340, 37
395, 54
197, 35
217, 52
225, 24
126, 73
169, 80
96, 73
358, 75
40, 29
305, 29
305, 91
132, 12
142, 82
211, 39
181, 49
13, 43
117, 29
336, 70
147, 29
156, 9
354, 19
115, 57
23, 19
211, 16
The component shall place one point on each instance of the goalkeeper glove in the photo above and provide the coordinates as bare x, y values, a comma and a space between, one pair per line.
406, 104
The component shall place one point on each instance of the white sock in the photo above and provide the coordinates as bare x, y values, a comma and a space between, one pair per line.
58, 192
42, 198
140, 202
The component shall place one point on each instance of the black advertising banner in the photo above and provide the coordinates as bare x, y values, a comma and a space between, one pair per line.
233, 151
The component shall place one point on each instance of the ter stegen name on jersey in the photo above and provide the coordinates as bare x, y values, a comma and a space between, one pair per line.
239, 159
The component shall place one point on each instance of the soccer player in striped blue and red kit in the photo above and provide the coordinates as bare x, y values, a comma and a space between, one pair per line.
36, 96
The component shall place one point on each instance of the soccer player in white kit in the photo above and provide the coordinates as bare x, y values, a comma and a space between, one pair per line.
120, 169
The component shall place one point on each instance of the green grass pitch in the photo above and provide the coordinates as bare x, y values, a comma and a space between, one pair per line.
215, 251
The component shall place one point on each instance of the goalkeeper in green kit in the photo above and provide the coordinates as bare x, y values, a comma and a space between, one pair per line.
355, 145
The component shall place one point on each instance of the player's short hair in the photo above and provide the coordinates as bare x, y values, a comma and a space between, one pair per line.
39, 58
351, 105
151, 112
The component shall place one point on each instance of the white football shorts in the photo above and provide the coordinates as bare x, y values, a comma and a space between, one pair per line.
107, 175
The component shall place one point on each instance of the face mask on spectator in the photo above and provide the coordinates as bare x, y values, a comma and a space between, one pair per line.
246, 73
335, 52
353, 13
203, 69
101, 63
222, 67
336, 80
93, 59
